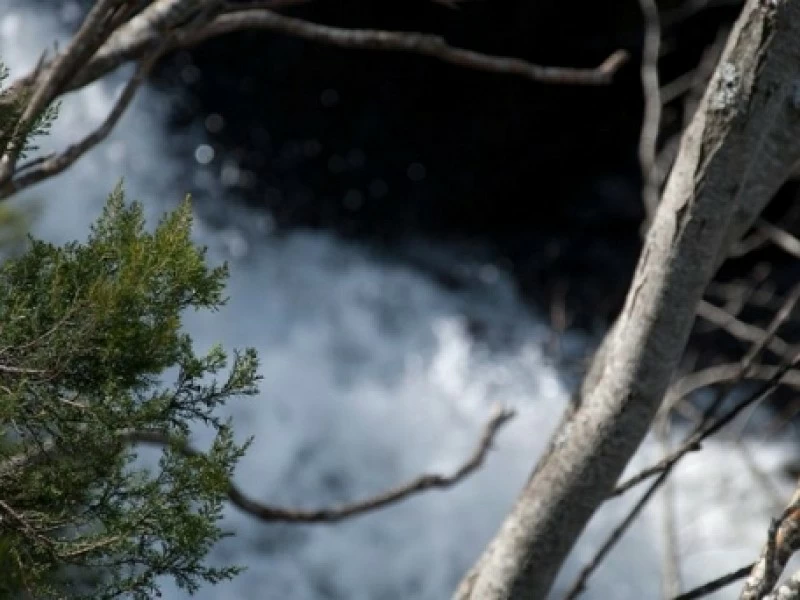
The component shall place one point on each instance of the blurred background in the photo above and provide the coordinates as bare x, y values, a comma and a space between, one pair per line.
411, 241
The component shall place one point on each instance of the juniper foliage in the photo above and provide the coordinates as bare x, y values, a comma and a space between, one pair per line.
88, 334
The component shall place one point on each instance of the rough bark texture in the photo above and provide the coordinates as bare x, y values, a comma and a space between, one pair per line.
739, 148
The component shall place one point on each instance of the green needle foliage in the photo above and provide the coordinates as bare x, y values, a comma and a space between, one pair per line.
88, 334
12, 108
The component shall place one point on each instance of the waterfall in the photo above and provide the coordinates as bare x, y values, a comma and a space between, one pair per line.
371, 377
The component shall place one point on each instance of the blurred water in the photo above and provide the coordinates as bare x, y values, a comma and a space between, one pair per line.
371, 376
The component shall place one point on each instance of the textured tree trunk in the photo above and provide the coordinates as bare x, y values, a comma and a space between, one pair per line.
740, 147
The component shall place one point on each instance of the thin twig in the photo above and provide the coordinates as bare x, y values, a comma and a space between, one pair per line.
741, 330
763, 482
781, 238
23, 524
672, 568
651, 121
693, 442
677, 87
331, 515
706, 428
743, 370
770, 333
664, 467
579, 585
693, 84
716, 584
56, 164
745, 294
727, 373
53, 77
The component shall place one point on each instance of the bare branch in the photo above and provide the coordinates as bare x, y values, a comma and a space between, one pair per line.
783, 239
693, 84
664, 468
732, 375
716, 584
741, 330
783, 314
651, 120
52, 77
742, 294
693, 442
672, 566
727, 373
580, 583
53, 165
430, 45
676, 88
119, 31
783, 539
331, 515
133, 39
741, 146
23, 524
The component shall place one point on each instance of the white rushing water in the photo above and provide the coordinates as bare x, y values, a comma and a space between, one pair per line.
370, 378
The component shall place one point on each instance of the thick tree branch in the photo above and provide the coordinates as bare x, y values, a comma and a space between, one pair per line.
418, 43
130, 41
663, 469
740, 147
51, 78
579, 585
49, 166
120, 31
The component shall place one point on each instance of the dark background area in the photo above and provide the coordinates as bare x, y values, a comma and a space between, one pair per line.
391, 148
387, 146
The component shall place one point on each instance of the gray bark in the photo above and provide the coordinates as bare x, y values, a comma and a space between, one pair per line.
740, 147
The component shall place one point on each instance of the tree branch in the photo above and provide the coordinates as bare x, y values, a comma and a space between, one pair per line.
120, 31
694, 441
417, 43
130, 41
780, 237
739, 329
651, 120
51, 78
49, 166
783, 539
716, 584
740, 147
727, 373
422, 483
